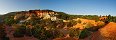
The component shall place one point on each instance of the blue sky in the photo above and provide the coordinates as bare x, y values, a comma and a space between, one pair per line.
83, 7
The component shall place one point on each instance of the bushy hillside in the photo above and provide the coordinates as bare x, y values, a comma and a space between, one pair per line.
49, 24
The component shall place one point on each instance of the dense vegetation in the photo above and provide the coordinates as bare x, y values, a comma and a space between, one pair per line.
2, 33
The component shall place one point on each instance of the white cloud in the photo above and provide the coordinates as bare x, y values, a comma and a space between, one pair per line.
5, 6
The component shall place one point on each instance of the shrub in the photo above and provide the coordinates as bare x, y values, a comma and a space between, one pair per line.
100, 23
20, 31
28, 32
38, 32
79, 21
53, 34
84, 33
72, 23
74, 32
42, 34
95, 28
2, 33
9, 21
88, 25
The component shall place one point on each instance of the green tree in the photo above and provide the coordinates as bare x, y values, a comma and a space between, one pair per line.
63, 15
84, 33
8, 21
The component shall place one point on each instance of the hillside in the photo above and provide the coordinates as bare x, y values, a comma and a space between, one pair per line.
108, 31
49, 24
105, 33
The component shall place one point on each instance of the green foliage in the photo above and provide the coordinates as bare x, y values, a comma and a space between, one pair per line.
74, 32
71, 23
111, 18
9, 21
5, 38
28, 32
2, 31
79, 33
72, 17
38, 25
92, 17
88, 25
60, 24
38, 32
84, 33
43, 34
53, 34
63, 15
95, 28
20, 31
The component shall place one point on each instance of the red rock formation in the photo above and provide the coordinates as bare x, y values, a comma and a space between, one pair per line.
41, 12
